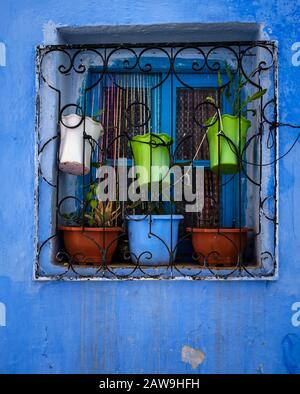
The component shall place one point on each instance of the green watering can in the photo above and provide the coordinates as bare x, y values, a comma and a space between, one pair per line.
235, 129
157, 145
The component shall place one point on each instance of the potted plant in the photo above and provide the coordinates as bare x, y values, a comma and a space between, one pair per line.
153, 236
90, 235
151, 151
72, 141
227, 133
216, 246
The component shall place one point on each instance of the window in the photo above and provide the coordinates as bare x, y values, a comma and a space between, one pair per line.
192, 115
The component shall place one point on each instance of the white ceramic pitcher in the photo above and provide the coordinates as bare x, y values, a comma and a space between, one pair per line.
71, 145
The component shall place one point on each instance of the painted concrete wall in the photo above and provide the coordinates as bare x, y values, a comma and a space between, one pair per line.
249, 327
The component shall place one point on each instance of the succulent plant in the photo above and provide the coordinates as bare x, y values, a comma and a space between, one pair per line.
233, 91
95, 213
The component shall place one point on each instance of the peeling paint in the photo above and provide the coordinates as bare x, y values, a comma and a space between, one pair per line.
192, 356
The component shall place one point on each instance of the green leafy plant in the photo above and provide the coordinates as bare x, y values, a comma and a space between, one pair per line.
233, 91
147, 207
95, 213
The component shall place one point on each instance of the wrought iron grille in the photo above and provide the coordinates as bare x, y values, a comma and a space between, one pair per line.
96, 99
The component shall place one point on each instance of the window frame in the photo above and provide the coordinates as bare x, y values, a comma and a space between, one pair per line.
51, 274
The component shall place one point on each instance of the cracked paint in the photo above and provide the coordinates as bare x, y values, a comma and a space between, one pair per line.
192, 356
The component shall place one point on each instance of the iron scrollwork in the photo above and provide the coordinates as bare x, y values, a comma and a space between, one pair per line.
117, 74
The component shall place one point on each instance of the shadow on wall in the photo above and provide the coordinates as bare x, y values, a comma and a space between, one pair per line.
291, 353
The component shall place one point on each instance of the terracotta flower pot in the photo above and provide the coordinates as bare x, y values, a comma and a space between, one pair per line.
220, 247
86, 246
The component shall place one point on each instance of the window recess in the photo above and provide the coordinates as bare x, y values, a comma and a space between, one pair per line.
195, 115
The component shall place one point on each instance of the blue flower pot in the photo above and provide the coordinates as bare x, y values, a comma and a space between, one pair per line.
146, 247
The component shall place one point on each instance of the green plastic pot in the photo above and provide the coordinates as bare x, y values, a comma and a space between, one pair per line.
157, 145
235, 129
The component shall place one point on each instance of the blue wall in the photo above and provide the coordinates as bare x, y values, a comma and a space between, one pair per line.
142, 326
